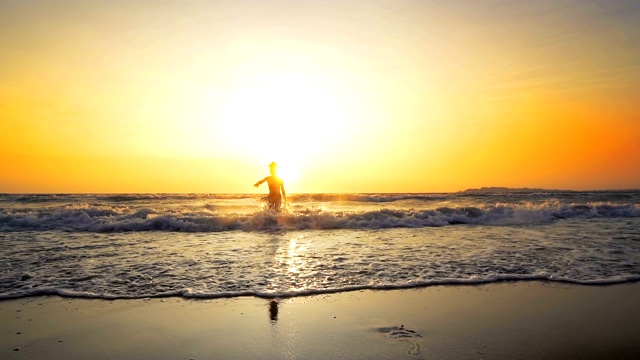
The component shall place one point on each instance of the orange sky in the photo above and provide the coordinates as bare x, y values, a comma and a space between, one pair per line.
392, 96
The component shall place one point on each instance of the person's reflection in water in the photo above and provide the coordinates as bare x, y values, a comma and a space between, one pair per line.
273, 310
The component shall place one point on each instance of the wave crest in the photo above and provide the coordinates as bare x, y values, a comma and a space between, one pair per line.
105, 218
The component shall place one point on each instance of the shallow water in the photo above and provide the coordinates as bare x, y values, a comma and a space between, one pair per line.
130, 246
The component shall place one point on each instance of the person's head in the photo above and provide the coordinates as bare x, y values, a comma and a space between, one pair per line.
273, 167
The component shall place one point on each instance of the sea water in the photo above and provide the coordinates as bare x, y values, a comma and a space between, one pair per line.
208, 245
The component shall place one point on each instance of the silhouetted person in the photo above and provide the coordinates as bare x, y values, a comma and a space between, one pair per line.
276, 188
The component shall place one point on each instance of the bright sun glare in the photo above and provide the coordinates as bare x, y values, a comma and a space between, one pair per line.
292, 118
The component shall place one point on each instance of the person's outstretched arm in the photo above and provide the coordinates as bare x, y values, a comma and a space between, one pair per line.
260, 182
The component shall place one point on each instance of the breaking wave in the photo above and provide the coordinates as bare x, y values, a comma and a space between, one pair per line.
114, 218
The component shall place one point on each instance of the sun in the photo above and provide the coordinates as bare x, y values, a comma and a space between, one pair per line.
291, 118
289, 172
302, 119
282, 111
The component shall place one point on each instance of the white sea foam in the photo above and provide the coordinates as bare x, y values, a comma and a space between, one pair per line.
224, 264
117, 218
205, 246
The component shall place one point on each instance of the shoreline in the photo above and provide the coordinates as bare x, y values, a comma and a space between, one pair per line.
64, 294
521, 320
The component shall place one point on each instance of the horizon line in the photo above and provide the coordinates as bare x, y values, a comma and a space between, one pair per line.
495, 189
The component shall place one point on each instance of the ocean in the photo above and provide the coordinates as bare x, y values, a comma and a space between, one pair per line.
213, 245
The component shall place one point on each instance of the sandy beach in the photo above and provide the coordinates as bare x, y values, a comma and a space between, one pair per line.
522, 320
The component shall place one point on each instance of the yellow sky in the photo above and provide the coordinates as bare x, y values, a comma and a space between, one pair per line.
348, 96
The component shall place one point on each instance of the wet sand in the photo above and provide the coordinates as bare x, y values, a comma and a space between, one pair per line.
523, 320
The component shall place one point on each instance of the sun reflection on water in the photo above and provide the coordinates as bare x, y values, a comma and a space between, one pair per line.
292, 263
